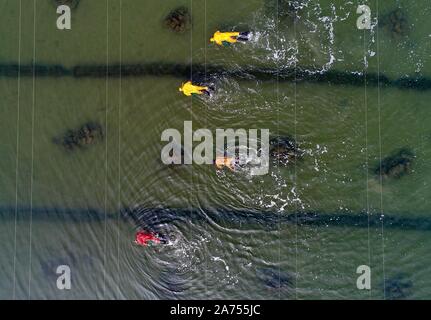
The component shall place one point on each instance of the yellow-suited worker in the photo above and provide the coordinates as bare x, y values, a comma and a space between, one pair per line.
189, 89
227, 38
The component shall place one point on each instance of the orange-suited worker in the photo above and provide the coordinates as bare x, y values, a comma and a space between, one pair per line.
228, 162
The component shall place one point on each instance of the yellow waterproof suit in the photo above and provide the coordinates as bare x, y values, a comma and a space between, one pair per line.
189, 88
220, 37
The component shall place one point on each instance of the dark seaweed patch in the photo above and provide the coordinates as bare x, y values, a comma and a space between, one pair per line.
286, 10
178, 20
284, 149
396, 23
88, 134
398, 287
396, 165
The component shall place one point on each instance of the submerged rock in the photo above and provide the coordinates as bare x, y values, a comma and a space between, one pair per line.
86, 135
398, 287
284, 149
71, 3
178, 20
396, 23
396, 165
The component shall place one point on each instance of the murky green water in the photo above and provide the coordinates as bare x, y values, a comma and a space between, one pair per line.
67, 207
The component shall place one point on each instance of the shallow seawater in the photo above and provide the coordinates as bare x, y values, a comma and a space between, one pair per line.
232, 235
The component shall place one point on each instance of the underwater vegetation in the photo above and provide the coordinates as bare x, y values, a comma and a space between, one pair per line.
88, 134
284, 149
286, 10
398, 287
396, 165
178, 20
396, 23
71, 3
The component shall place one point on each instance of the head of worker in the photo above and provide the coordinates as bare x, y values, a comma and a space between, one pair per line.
214, 36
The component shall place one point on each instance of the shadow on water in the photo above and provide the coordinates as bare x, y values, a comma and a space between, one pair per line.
174, 283
160, 218
276, 279
183, 71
